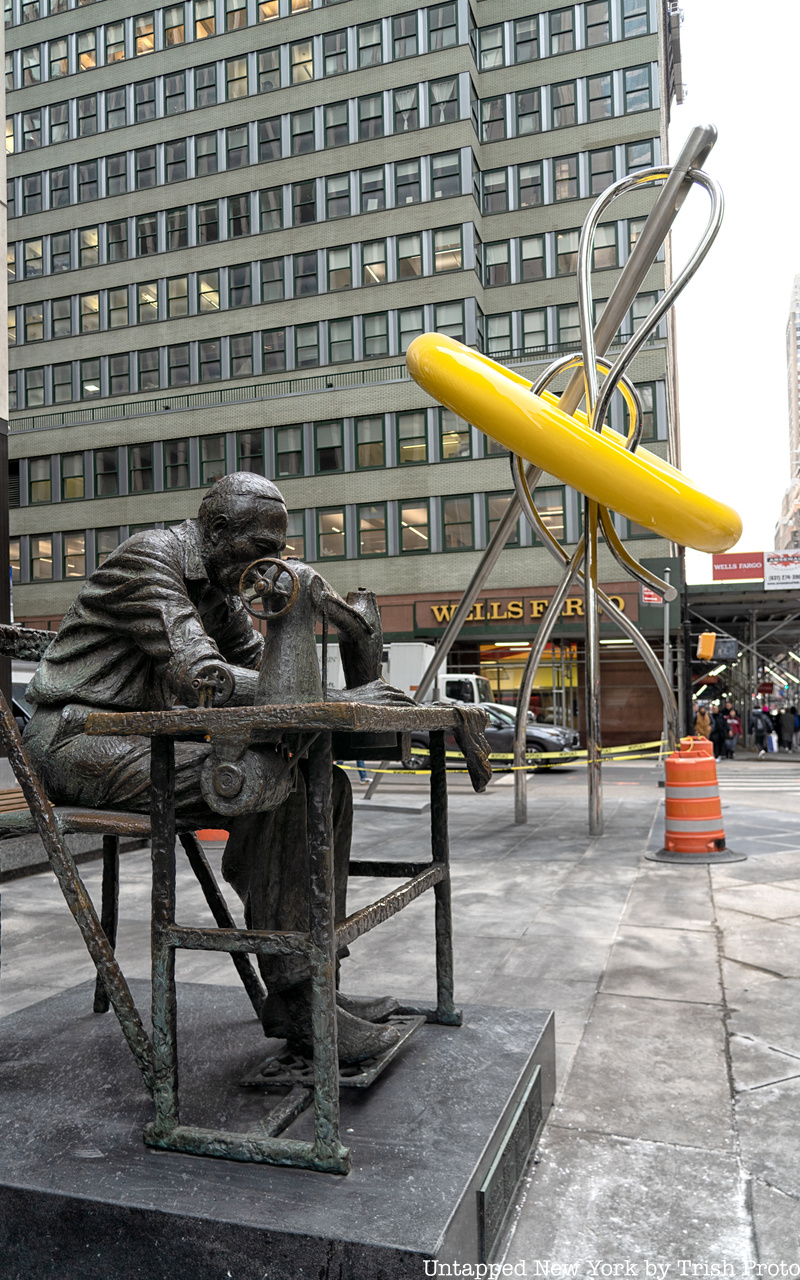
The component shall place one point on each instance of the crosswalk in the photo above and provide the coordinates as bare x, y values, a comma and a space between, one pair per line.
758, 775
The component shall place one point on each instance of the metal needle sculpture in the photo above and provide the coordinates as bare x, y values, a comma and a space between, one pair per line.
546, 434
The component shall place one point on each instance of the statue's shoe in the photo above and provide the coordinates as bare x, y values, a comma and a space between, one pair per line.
370, 1008
286, 1016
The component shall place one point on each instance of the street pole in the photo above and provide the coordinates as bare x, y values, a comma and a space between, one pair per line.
667, 662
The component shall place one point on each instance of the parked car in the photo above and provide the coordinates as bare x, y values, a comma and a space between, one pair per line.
500, 736
551, 732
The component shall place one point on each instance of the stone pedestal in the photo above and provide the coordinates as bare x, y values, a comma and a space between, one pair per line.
437, 1144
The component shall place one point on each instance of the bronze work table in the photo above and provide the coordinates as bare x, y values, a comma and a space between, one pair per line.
338, 727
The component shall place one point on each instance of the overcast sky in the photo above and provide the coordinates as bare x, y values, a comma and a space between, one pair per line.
740, 70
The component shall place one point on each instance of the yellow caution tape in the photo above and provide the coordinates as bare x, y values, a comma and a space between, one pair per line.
634, 751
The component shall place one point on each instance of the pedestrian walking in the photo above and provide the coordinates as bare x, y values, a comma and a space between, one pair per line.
734, 732
719, 731
761, 725
703, 723
786, 721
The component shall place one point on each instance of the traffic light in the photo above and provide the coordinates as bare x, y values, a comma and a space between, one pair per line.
705, 646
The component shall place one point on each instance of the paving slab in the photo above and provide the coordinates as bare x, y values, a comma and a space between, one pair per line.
666, 895
762, 1006
776, 1218
767, 900
651, 1069
595, 1198
767, 1125
668, 964
755, 1063
765, 944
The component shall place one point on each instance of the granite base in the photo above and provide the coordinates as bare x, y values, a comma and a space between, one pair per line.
82, 1197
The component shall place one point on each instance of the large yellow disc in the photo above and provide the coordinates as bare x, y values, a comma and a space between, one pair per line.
639, 485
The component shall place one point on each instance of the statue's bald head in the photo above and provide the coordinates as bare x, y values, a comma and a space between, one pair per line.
243, 516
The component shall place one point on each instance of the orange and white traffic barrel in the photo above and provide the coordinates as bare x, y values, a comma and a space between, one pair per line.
694, 831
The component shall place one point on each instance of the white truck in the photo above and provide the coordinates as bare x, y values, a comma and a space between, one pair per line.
404, 665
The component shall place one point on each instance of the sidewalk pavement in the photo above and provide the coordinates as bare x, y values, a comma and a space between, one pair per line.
673, 1142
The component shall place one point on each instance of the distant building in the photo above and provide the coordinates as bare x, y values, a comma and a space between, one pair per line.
787, 530
229, 218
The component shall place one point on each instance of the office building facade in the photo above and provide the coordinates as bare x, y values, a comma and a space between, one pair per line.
229, 218
787, 530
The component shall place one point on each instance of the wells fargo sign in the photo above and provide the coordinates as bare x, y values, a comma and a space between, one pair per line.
431, 614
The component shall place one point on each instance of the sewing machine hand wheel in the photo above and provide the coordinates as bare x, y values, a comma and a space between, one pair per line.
266, 580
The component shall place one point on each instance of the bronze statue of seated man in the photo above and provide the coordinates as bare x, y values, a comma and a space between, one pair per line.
161, 609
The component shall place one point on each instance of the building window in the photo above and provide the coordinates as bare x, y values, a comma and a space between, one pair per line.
32, 189
295, 535
176, 464
406, 109
240, 290
457, 523
143, 34
409, 257
369, 45
59, 122
454, 436
598, 23
210, 360
301, 61
530, 185
447, 249
567, 252
565, 172
205, 85
412, 437
106, 473
569, 332
59, 60
526, 39
34, 321
106, 542
637, 89
178, 367
273, 347
208, 291
289, 451
305, 273
605, 247
72, 485
404, 36
208, 222
90, 379
529, 118
410, 325
116, 109
235, 15
329, 454
144, 101
271, 208
175, 160
41, 559
340, 340
599, 94
532, 257
250, 451
373, 196
178, 296
534, 330
495, 191
550, 505
238, 216
340, 275
12, 326
634, 18
491, 47
271, 279
306, 346
496, 504
331, 536
449, 319
562, 30
336, 128
493, 119
39, 481
14, 559
141, 468
31, 64
87, 50
269, 70
146, 235
445, 175
642, 306
601, 170
62, 383
33, 258
238, 150
444, 101
204, 19
32, 127
372, 530
498, 334
212, 459
61, 317
147, 303
148, 370
304, 202
302, 129
442, 28
334, 52
145, 168
370, 116
119, 378
376, 335
267, 10
414, 526
369, 442
373, 262
406, 182
639, 155
177, 228
205, 153
174, 32
564, 104
116, 176
89, 311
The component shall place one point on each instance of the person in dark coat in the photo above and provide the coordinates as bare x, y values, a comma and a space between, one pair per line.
761, 725
719, 731
786, 719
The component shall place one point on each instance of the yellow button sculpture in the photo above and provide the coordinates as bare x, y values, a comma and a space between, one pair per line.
638, 485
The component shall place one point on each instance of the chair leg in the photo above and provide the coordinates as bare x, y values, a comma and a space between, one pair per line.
109, 911
222, 916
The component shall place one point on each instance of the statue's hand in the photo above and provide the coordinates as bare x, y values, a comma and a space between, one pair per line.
378, 692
